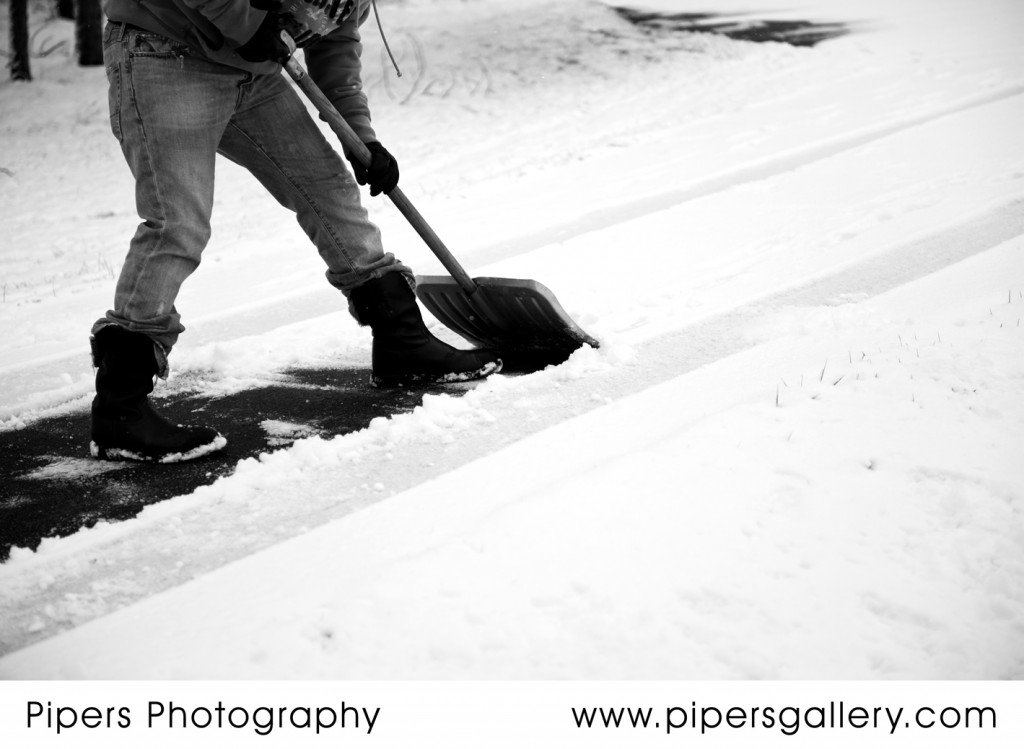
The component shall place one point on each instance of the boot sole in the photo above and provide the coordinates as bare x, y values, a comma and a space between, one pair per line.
119, 453
409, 380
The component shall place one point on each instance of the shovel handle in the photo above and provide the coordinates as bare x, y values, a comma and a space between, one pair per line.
354, 145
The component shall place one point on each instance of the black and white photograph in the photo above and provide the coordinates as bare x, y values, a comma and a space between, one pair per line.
515, 342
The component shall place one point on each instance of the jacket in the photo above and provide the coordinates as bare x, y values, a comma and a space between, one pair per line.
214, 29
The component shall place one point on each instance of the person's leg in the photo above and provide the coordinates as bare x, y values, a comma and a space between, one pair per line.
168, 111
274, 137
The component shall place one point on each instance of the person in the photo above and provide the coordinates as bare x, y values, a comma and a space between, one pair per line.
190, 79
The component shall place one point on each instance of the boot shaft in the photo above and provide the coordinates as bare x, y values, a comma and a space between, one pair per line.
126, 365
388, 306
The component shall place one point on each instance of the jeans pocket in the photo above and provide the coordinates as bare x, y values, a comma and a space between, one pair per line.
145, 44
114, 99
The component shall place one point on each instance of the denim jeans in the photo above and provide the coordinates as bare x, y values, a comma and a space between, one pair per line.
173, 112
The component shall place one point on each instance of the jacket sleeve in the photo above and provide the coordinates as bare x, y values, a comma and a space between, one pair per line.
334, 65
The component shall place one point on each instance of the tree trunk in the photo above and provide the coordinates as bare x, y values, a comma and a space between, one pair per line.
89, 32
20, 69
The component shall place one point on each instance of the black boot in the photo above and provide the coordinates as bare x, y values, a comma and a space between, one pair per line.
125, 426
404, 351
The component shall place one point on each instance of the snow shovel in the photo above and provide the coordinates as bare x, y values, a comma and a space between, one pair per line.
519, 319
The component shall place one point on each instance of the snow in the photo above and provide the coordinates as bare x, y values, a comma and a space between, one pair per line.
795, 455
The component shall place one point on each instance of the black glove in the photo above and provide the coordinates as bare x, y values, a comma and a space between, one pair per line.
266, 43
382, 175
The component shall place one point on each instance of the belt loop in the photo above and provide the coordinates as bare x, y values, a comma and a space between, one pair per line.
124, 32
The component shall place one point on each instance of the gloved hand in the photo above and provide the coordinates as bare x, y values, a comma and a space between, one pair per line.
382, 175
266, 43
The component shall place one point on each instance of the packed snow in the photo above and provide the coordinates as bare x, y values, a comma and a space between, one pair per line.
796, 453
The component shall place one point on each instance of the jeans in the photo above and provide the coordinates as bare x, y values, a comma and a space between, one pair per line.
173, 112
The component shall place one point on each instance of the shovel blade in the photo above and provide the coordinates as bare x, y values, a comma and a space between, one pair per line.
520, 319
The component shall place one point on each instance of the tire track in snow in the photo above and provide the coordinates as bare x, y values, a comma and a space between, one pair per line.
720, 336
757, 171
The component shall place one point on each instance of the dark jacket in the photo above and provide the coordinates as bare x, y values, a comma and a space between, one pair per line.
214, 29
